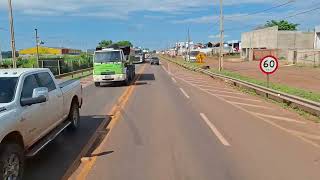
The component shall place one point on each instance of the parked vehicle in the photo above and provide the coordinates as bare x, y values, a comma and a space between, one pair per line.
34, 109
193, 56
113, 65
155, 60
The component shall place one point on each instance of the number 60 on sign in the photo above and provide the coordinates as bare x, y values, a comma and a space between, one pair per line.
269, 64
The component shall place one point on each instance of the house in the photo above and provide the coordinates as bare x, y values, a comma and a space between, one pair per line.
271, 41
317, 37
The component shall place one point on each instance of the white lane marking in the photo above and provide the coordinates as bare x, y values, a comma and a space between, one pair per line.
250, 105
207, 86
174, 80
234, 97
169, 71
289, 131
228, 92
280, 118
165, 70
192, 78
194, 81
184, 93
215, 130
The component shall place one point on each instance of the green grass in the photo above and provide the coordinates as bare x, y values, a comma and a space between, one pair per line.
313, 96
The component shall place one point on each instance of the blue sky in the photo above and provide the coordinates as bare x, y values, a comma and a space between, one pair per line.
149, 23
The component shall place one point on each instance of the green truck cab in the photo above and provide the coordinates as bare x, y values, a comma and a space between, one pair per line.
113, 64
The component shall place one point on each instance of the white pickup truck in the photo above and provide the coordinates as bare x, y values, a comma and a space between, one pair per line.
34, 109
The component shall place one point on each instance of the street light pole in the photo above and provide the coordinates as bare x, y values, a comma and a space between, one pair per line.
37, 45
189, 45
13, 44
221, 37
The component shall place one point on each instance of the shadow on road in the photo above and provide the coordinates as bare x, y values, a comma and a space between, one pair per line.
146, 77
102, 154
55, 159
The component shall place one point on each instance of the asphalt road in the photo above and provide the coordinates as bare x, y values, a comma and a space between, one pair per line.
54, 160
183, 126
179, 125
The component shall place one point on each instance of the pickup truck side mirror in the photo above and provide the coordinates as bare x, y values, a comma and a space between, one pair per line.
41, 91
39, 95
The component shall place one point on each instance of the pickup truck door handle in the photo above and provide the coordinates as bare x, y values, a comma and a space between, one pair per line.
59, 96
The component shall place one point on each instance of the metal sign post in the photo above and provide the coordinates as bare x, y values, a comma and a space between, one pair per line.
269, 65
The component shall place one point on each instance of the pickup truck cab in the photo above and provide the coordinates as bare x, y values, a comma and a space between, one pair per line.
34, 109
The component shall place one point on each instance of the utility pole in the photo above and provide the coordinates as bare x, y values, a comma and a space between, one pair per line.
188, 44
13, 44
221, 37
37, 45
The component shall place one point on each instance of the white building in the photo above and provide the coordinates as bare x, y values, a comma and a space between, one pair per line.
317, 37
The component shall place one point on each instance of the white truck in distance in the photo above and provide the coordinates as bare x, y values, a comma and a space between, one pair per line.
34, 109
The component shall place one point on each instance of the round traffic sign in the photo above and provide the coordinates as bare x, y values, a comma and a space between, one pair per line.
269, 64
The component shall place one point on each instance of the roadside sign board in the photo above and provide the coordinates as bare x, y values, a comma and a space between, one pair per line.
269, 64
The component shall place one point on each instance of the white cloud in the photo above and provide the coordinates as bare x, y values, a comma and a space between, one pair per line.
120, 9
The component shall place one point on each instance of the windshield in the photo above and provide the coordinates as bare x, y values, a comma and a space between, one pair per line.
194, 53
138, 51
105, 57
7, 89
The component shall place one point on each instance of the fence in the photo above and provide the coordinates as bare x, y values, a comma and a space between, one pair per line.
60, 66
308, 57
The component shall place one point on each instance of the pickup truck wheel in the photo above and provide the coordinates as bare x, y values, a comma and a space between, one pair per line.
74, 116
11, 161
97, 84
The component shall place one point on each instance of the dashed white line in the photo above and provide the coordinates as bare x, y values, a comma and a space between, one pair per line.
174, 80
215, 130
294, 133
184, 93
280, 118
227, 92
250, 105
234, 97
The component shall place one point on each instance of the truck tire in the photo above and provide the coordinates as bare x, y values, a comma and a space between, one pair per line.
74, 116
126, 82
11, 161
97, 84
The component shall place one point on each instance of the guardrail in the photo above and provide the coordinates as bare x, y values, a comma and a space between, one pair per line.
308, 106
73, 73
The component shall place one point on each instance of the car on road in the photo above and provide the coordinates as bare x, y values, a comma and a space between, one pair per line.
155, 60
34, 109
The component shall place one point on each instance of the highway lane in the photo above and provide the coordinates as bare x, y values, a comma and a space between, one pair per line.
54, 160
180, 125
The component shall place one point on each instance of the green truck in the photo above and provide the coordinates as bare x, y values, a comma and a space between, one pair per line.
113, 64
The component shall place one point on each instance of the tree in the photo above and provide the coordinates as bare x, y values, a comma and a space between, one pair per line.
104, 43
283, 25
124, 43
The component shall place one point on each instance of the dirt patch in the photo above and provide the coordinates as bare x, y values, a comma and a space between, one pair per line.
307, 78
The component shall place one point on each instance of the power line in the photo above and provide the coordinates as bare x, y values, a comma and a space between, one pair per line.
287, 17
265, 10
304, 12
257, 12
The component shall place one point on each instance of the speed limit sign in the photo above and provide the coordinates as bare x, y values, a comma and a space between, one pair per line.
269, 64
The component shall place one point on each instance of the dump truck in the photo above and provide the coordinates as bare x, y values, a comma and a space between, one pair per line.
113, 64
